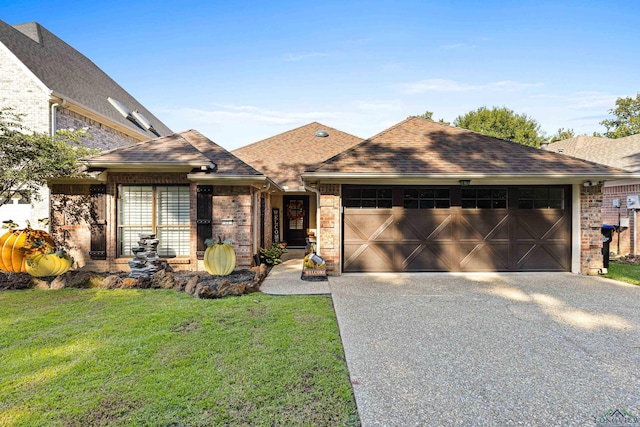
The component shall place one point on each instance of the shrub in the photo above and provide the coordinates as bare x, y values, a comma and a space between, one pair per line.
271, 256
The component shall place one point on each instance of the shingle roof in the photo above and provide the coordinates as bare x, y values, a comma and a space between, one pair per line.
621, 153
420, 146
70, 74
285, 156
189, 148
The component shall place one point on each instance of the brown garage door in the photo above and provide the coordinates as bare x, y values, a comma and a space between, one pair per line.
509, 228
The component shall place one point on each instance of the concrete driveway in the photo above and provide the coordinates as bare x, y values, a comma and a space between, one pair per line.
490, 349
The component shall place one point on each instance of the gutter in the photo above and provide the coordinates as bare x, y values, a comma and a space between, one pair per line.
77, 107
256, 215
317, 192
421, 178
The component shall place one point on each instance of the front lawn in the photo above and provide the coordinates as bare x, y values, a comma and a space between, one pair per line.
143, 357
624, 272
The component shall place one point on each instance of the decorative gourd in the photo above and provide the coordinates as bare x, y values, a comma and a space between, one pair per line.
49, 265
16, 246
219, 258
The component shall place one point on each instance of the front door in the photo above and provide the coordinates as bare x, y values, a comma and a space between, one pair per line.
296, 220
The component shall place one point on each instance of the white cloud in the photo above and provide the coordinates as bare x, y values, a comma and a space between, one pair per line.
246, 114
583, 100
378, 106
444, 85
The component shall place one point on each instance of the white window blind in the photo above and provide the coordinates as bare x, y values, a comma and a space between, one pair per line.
163, 210
172, 220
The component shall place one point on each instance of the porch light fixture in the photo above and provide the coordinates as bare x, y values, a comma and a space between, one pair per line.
464, 182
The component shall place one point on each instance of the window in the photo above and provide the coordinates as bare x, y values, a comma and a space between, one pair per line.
427, 198
368, 197
162, 210
541, 198
484, 198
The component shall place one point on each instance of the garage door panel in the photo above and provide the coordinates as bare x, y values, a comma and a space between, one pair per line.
426, 257
542, 257
425, 225
368, 226
368, 257
485, 257
538, 225
485, 225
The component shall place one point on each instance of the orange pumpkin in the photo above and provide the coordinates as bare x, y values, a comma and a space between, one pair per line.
17, 246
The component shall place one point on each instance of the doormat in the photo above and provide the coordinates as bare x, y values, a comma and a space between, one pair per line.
314, 274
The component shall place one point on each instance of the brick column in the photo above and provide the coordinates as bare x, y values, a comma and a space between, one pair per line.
590, 224
329, 224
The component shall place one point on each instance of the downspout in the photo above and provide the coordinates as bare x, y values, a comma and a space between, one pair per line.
317, 192
256, 216
54, 123
635, 233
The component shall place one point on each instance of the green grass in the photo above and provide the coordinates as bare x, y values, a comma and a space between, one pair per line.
624, 272
161, 358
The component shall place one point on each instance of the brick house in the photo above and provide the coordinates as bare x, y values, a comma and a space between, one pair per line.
622, 153
419, 196
56, 87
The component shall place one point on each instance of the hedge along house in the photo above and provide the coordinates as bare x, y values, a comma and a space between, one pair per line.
183, 187
423, 196
56, 87
283, 158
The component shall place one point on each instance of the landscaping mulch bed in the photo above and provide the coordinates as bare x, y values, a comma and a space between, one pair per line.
199, 284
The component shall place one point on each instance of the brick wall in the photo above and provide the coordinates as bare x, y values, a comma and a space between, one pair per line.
234, 203
19, 90
590, 225
330, 239
99, 136
610, 215
229, 202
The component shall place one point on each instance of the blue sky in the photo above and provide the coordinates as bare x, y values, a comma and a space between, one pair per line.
240, 71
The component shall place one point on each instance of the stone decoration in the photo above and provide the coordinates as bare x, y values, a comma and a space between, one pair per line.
146, 261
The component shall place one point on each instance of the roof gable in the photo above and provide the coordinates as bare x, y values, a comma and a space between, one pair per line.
188, 149
285, 156
420, 146
71, 75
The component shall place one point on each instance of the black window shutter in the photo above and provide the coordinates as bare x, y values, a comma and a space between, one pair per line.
204, 220
99, 227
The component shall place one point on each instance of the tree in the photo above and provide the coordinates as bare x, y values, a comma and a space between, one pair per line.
429, 116
627, 118
563, 134
502, 123
29, 159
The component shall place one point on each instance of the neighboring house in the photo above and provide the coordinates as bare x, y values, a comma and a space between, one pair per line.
283, 158
182, 187
56, 87
623, 153
419, 196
